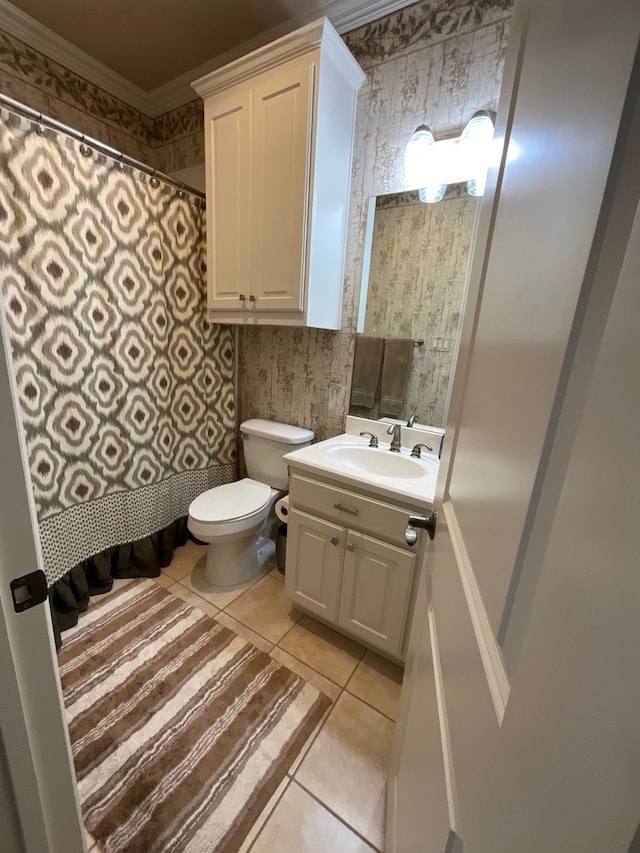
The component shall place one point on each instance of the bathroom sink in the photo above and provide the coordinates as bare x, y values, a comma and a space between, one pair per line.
350, 460
382, 463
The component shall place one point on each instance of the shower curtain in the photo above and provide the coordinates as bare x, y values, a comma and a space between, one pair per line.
127, 392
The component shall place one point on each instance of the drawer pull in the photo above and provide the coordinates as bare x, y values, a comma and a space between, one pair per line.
350, 546
334, 540
347, 509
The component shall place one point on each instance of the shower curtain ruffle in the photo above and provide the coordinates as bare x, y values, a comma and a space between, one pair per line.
69, 596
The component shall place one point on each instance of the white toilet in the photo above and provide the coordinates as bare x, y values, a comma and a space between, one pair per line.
236, 519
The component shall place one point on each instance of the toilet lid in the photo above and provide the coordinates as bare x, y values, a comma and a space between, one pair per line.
233, 500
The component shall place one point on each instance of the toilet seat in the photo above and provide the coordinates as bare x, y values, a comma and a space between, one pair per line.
233, 502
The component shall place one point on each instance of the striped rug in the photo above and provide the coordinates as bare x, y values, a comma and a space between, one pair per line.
181, 731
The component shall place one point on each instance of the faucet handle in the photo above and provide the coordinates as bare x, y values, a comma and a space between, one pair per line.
374, 439
416, 450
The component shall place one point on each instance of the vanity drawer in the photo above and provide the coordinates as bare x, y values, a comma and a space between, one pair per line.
350, 509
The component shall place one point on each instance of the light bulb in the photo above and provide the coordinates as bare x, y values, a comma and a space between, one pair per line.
418, 159
430, 195
474, 149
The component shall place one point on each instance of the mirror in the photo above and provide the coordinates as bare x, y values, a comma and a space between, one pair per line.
413, 283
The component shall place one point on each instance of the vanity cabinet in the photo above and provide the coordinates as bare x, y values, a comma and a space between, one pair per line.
348, 563
278, 142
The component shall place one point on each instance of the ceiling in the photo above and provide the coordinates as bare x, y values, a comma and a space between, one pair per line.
152, 42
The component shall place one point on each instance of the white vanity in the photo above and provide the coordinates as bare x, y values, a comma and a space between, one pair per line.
348, 562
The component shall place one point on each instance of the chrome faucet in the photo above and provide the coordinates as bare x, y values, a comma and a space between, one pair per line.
396, 442
411, 420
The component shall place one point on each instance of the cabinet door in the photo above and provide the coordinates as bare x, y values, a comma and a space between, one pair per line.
227, 129
314, 562
376, 584
281, 134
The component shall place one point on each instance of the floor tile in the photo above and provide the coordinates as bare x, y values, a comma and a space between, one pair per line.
163, 580
377, 682
263, 816
346, 767
323, 649
266, 609
219, 596
244, 632
299, 824
194, 600
185, 559
274, 573
319, 681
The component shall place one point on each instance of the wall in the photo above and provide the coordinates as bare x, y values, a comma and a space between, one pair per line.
431, 62
170, 142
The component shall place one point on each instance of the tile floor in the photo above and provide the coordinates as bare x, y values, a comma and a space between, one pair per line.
333, 796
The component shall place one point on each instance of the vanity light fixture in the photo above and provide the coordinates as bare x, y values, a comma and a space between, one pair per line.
430, 166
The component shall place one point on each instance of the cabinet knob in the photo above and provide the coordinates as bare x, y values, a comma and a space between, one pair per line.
252, 298
241, 297
350, 546
334, 540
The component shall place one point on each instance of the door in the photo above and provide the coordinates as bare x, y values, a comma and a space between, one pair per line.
228, 181
315, 550
281, 138
376, 584
35, 754
526, 636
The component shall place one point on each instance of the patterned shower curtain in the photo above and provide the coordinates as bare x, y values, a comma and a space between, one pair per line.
126, 390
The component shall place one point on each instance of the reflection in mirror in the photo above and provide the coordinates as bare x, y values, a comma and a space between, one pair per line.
413, 286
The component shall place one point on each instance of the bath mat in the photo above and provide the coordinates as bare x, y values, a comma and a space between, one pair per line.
181, 731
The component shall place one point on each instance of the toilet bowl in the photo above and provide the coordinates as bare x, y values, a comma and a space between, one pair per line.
233, 520
236, 519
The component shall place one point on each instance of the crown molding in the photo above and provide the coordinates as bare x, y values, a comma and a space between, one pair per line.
345, 15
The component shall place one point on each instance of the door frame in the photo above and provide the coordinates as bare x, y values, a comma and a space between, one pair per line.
32, 721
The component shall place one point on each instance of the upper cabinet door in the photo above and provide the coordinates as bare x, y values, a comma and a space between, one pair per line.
227, 141
280, 124
282, 129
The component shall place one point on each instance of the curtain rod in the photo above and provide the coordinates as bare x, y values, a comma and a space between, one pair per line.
119, 156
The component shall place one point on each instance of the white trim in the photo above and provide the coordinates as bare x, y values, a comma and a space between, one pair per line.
318, 34
345, 15
490, 652
445, 736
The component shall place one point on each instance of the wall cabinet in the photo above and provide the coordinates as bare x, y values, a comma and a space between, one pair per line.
278, 142
338, 571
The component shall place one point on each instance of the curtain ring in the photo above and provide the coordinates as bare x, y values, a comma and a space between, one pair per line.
40, 130
84, 148
155, 183
121, 164
181, 191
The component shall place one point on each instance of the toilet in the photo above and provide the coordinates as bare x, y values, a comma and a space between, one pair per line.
236, 519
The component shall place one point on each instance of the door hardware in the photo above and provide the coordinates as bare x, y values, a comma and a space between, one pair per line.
350, 546
428, 523
28, 590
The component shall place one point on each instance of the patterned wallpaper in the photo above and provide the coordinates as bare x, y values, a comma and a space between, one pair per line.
419, 261
437, 62
169, 142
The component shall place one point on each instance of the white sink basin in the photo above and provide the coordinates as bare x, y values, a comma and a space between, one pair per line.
348, 459
373, 460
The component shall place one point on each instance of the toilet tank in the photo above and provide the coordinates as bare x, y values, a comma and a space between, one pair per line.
265, 443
